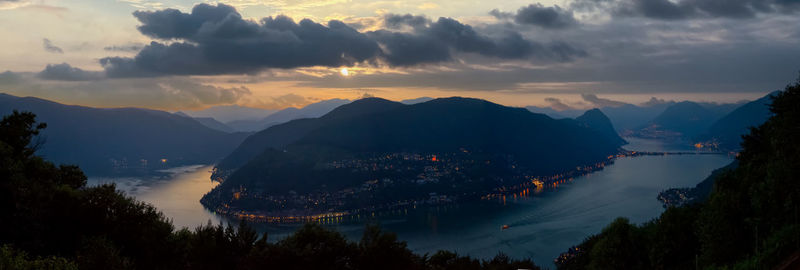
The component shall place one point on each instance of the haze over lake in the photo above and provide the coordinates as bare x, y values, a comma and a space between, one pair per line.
541, 226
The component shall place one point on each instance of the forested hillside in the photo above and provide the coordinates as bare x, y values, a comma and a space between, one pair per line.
751, 220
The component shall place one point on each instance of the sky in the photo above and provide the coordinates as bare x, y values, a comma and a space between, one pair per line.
272, 54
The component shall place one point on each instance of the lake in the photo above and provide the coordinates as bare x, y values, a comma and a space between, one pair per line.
541, 227
177, 195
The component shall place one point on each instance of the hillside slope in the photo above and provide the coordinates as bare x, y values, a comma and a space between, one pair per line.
125, 140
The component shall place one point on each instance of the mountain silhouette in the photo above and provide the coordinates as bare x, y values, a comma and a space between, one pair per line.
229, 113
214, 124
598, 121
105, 141
729, 129
687, 119
312, 110
278, 136
487, 145
624, 117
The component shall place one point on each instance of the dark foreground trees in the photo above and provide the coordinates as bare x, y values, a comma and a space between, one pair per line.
750, 221
50, 219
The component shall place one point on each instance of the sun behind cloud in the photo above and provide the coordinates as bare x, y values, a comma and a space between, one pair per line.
344, 72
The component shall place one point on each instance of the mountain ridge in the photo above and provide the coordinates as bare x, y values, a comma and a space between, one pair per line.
107, 141
727, 131
415, 150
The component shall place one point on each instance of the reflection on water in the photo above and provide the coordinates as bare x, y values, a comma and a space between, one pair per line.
540, 227
177, 196
650, 145
549, 223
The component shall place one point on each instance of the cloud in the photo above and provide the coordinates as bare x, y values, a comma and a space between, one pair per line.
601, 102
556, 104
288, 100
133, 47
433, 41
655, 101
48, 46
397, 21
536, 14
158, 93
688, 9
215, 40
12, 4
65, 72
500, 14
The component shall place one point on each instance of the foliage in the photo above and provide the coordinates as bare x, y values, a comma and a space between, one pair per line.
11, 258
750, 220
47, 211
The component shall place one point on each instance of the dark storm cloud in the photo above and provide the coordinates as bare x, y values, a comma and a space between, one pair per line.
657, 9
217, 40
563, 52
65, 72
431, 42
397, 21
623, 60
48, 46
688, 9
404, 49
547, 17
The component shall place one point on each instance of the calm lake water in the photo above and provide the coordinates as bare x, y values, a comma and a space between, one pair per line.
541, 227
177, 195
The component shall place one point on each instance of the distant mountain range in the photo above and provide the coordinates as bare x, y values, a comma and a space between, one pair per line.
235, 118
313, 110
229, 113
719, 126
625, 117
715, 125
683, 119
122, 141
727, 131
214, 124
378, 152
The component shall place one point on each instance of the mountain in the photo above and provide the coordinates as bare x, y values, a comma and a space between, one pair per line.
728, 130
230, 113
214, 124
121, 141
554, 113
416, 100
208, 122
685, 119
629, 116
625, 117
599, 122
748, 221
309, 111
378, 152
278, 136
721, 109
